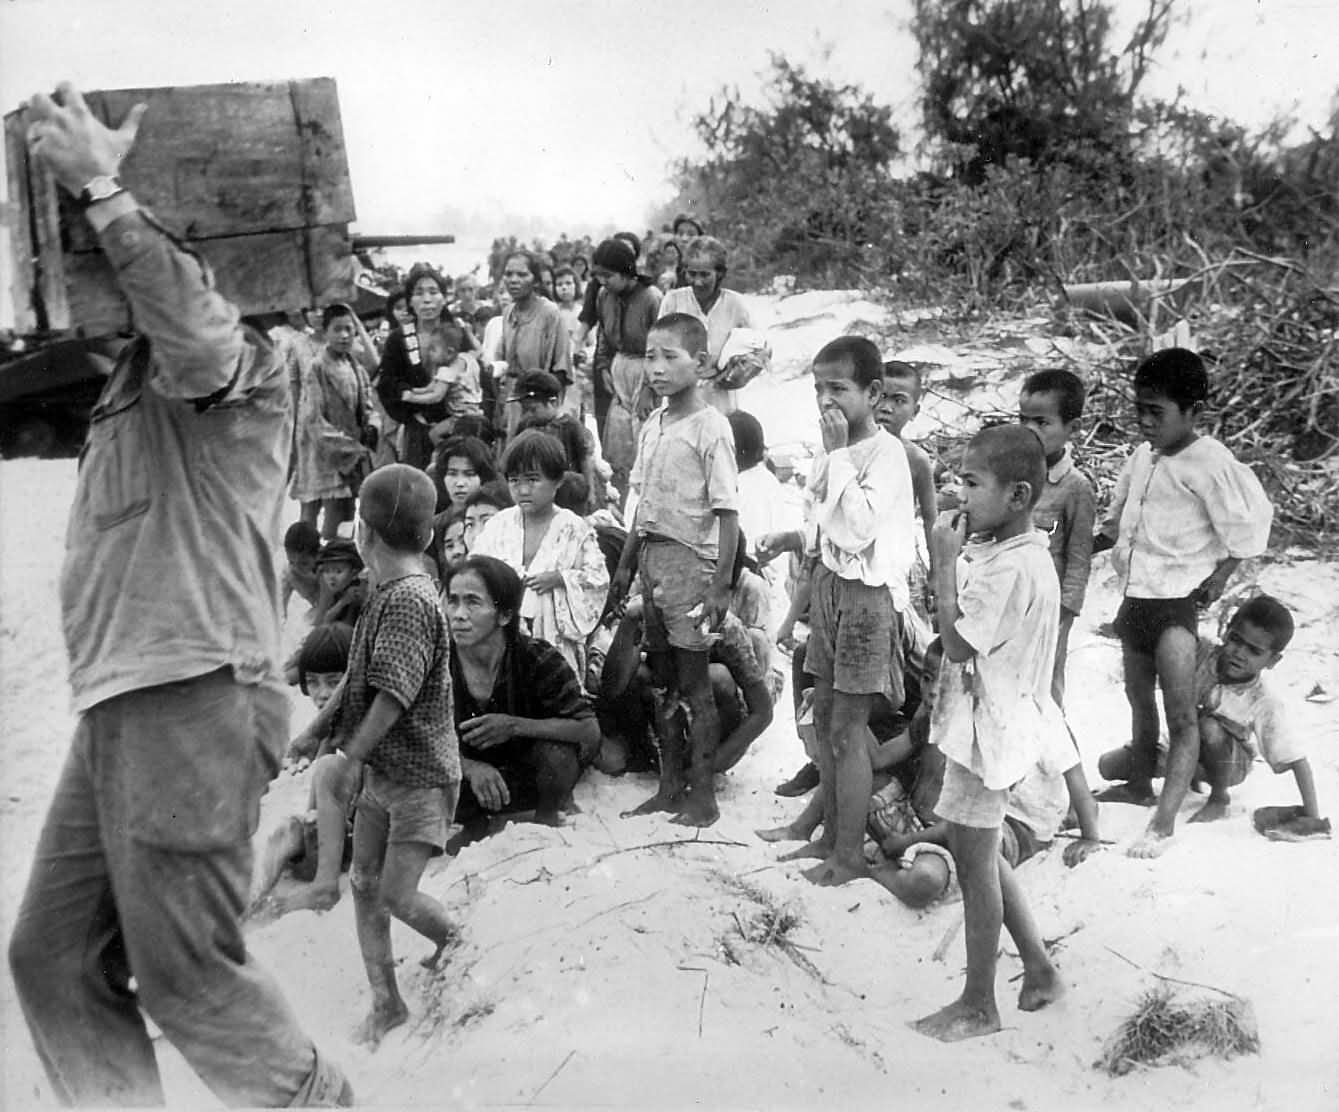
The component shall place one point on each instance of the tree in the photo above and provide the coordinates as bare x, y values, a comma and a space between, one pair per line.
1035, 79
796, 184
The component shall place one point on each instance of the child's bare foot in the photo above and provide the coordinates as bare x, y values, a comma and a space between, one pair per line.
1212, 811
1039, 989
1137, 794
310, 897
450, 942
959, 1021
809, 849
699, 809
380, 1021
656, 804
785, 833
1151, 843
834, 872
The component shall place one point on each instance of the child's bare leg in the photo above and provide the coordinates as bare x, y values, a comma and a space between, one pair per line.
974, 1013
822, 846
704, 733
1041, 983
400, 876
1176, 674
374, 928
1136, 763
854, 775
669, 730
1217, 752
799, 829
323, 892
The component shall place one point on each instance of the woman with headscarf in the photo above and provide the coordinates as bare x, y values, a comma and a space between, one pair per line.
721, 310
626, 308
415, 352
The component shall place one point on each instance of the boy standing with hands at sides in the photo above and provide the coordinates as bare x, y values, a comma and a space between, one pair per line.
1184, 514
682, 542
1051, 405
861, 498
394, 716
998, 602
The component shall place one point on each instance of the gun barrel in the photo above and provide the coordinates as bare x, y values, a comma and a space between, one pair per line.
362, 242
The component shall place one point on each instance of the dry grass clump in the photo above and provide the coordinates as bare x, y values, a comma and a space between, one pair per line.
768, 924
1165, 1030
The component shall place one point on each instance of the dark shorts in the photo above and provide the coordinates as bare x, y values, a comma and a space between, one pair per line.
1141, 622
1018, 841
853, 635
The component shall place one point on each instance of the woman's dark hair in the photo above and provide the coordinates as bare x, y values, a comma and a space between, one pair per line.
536, 264
475, 426
472, 449
423, 270
1174, 373
504, 587
750, 446
573, 493
633, 240
584, 263
535, 450
394, 299
334, 311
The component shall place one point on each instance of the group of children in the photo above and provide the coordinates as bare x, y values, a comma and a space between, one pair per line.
952, 626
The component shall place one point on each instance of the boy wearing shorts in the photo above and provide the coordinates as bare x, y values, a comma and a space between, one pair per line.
682, 543
998, 602
395, 718
860, 494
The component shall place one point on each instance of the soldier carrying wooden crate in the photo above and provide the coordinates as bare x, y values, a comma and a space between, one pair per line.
169, 597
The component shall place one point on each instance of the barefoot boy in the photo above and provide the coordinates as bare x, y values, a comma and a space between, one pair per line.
395, 717
1051, 405
862, 499
998, 615
683, 543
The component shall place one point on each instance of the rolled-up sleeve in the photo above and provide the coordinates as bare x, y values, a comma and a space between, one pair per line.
196, 333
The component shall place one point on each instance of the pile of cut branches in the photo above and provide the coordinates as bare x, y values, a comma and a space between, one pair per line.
1165, 1030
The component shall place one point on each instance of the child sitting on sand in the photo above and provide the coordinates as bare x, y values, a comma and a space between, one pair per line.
921, 870
1184, 514
998, 602
1239, 715
302, 545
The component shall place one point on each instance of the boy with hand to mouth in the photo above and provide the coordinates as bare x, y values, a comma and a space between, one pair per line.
998, 602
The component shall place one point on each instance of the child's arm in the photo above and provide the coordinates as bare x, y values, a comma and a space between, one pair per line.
1211, 590
1085, 808
799, 606
431, 394
308, 742
384, 713
946, 541
1306, 787
717, 601
898, 844
1078, 548
1109, 532
364, 351
627, 565
923, 487
891, 753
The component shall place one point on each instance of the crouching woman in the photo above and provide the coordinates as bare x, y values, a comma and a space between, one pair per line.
526, 729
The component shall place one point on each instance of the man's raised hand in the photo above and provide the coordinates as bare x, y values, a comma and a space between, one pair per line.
72, 143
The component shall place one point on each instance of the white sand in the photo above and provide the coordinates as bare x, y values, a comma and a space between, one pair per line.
592, 972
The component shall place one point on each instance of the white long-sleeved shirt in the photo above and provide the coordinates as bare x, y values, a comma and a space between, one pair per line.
862, 519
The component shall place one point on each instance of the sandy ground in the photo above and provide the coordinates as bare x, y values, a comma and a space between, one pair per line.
601, 967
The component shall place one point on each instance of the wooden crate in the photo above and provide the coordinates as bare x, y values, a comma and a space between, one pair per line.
253, 175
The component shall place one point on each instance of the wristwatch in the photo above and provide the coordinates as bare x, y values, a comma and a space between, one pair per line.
102, 188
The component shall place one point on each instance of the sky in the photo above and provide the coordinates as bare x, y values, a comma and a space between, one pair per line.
542, 117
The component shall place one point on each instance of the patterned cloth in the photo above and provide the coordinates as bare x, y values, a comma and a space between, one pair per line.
400, 646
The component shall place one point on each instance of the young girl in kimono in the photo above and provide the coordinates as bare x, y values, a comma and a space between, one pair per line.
553, 550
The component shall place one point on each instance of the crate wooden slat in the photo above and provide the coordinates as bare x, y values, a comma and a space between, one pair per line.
253, 175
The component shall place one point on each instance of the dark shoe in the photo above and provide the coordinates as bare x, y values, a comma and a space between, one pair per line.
806, 780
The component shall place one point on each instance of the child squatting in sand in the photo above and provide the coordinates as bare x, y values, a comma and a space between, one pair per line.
998, 602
